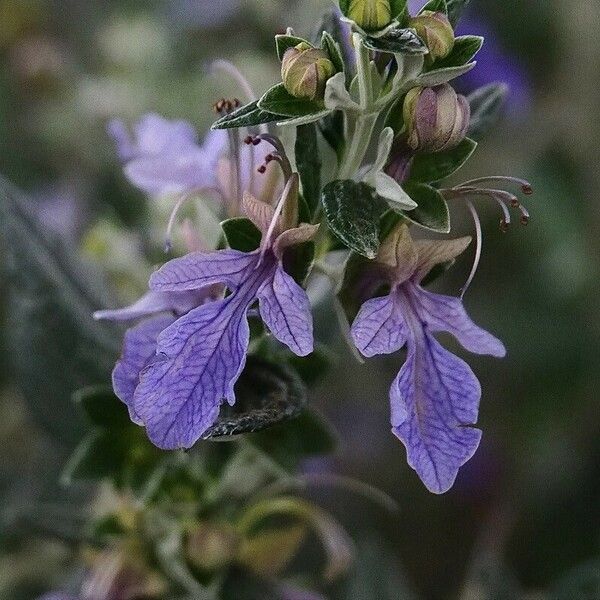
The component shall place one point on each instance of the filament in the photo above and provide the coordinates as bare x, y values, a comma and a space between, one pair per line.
234, 72
526, 187
478, 248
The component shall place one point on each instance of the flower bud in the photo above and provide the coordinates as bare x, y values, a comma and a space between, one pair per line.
305, 71
436, 118
370, 15
212, 546
435, 30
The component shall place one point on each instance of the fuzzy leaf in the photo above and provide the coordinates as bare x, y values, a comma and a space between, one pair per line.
435, 167
279, 101
284, 42
332, 48
308, 162
241, 234
353, 210
455, 10
397, 41
443, 75
436, 6
246, 116
465, 49
432, 211
486, 106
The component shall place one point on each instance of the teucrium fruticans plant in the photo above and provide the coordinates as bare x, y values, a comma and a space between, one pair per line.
222, 343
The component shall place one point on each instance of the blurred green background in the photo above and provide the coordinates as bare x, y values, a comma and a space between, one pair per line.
526, 508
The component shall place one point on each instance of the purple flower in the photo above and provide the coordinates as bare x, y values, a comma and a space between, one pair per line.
435, 397
164, 157
200, 356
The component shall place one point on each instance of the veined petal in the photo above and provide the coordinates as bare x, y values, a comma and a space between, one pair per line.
259, 212
294, 237
435, 252
139, 349
155, 302
199, 269
446, 313
379, 327
285, 309
435, 400
204, 353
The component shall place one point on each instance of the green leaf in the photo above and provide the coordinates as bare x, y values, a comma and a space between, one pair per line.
399, 9
54, 344
267, 393
436, 6
455, 10
397, 41
308, 163
102, 407
279, 101
246, 116
314, 367
241, 234
432, 211
443, 75
331, 128
332, 48
429, 168
353, 210
298, 261
486, 106
465, 48
306, 435
284, 42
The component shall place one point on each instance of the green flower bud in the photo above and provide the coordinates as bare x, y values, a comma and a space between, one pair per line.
370, 15
305, 71
436, 118
436, 31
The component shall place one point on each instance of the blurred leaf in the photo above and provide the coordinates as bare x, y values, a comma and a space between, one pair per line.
432, 211
305, 436
279, 101
486, 106
430, 168
267, 394
102, 407
397, 41
353, 210
581, 583
312, 368
456, 9
55, 345
465, 48
241, 234
308, 162
490, 579
246, 116
240, 584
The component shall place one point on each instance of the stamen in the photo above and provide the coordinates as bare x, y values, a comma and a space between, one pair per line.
525, 217
279, 155
526, 187
234, 72
172, 218
478, 248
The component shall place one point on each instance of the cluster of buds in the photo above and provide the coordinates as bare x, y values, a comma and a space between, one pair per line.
370, 15
436, 118
305, 71
435, 30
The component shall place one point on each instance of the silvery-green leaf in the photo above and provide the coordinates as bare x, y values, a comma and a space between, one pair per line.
285, 41
337, 96
332, 48
439, 76
435, 6
308, 163
455, 10
246, 116
428, 168
397, 41
311, 118
389, 189
386, 139
279, 101
486, 106
432, 211
465, 49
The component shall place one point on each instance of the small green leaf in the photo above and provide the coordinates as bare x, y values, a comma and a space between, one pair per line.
241, 234
279, 101
284, 42
432, 211
353, 210
436, 6
455, 10
266, 394
298, 261
332, 48
486, 106
397, 41
465, 48
444, 75
331, 128
246, 116
102, 407
428, 168
308, 162
306, 435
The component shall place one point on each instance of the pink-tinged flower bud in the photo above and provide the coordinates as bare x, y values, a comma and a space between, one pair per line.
436, 118
370, 15
305, 71
435, 30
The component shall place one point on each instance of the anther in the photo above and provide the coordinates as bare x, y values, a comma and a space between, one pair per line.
248, 140
524, 220
503, 225
527, 189
262, 169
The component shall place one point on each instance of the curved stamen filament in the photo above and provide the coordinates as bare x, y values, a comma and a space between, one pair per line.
526, 187
478, 249
231, 70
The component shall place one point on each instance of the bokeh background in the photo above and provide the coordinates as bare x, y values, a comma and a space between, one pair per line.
525, 511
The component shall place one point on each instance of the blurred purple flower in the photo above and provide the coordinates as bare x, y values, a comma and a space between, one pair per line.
60, 209
435, 397
58, 596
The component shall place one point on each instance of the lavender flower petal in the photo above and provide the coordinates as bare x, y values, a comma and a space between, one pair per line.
285, 310
435, 400
199, 269
446, 313
379, 327
139, 349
